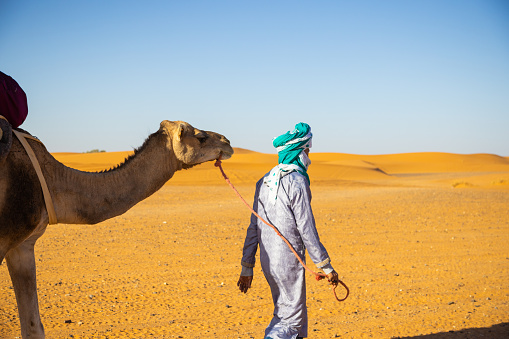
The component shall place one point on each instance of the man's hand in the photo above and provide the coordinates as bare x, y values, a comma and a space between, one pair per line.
244, 283
333, 278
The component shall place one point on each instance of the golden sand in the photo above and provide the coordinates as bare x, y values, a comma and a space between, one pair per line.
422, 240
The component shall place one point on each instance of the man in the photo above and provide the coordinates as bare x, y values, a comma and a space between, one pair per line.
283, 198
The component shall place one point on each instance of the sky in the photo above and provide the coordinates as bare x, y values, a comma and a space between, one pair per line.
370, 77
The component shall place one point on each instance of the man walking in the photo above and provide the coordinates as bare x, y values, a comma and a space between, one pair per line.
283, 198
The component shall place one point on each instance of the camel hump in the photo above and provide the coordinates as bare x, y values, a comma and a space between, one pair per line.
5, 138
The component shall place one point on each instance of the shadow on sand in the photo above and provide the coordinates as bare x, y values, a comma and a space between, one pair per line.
493, 332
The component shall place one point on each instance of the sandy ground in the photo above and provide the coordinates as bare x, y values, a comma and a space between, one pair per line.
422, 240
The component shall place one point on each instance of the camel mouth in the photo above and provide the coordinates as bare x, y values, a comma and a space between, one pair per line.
224, 155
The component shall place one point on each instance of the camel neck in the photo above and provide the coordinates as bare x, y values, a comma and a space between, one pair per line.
89, 198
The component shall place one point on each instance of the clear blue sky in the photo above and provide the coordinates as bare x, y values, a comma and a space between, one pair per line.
370, 77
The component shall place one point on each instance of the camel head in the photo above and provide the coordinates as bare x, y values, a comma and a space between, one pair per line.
193, 146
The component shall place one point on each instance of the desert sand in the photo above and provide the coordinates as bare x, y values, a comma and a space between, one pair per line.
422, 240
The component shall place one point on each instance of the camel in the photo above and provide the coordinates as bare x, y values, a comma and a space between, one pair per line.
85, 197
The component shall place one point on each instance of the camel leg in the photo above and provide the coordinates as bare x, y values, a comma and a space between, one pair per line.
21, 264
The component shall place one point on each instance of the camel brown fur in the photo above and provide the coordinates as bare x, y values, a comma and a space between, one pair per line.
5, 138
85, 197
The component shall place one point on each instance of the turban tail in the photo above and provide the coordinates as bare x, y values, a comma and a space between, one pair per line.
290, 145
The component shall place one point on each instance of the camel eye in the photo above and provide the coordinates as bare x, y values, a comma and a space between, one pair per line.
202, 137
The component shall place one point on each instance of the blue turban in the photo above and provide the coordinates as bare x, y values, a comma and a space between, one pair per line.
290, 145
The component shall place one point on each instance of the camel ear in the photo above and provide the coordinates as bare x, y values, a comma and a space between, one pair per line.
180, 132
172, 128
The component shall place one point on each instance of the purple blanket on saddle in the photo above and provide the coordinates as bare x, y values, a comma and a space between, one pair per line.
13, 101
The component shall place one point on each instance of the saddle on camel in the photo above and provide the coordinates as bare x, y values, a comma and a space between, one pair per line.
13, 111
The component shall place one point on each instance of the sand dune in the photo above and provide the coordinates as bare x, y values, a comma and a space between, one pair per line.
420, 238
246, 167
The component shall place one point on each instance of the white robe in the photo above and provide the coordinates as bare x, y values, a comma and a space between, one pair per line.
293, 217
